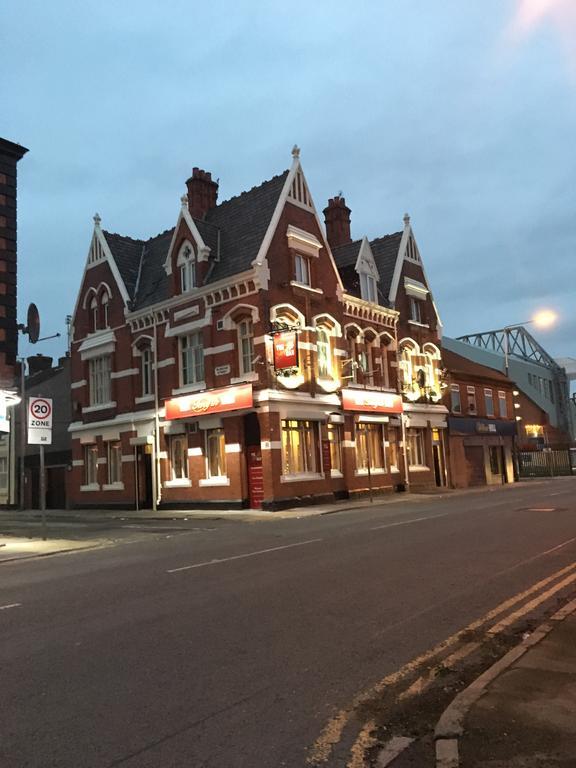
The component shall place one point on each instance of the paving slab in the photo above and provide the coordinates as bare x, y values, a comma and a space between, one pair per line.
13, 548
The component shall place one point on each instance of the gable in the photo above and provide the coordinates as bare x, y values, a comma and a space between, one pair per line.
365, 262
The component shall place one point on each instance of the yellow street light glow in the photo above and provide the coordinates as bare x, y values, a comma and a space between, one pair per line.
545, 318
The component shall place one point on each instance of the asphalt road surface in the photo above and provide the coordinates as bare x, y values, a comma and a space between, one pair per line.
231, 646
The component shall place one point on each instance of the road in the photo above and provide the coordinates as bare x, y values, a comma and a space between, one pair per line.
231, 646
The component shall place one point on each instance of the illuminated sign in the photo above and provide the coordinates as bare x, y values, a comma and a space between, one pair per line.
211, 401
285, 350
368, 401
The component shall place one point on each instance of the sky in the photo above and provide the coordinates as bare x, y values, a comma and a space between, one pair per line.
462, 114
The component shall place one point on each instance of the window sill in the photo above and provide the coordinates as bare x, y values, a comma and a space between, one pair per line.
91, 487
364, 472
336, 473
418, 468
113, 487
208, 481
301, 477
99, 407
252, 376
180, 483
395, 470
296, 284
189, 388
144, 399
419, 325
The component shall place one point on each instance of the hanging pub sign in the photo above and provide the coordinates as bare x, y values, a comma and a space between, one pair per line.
285, 350
369, 401
209, 402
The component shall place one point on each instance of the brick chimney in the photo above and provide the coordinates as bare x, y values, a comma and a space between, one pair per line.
202, 193
337, 218
38, 363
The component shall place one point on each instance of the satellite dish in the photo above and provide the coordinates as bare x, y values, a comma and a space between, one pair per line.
33, 323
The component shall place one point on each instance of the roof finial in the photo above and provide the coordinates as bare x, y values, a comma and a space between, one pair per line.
184, 201
406, 219
295, 151
97, 219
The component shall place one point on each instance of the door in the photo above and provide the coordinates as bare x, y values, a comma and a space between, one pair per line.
476, 473
255, 476
144, 477
438, 465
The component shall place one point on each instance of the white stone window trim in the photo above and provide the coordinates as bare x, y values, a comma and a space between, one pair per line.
90, 487
296, 284
144, 399
218, 480
419, 325
247, 377
78, 384
99, 407
124, 373
375, 471
335, 473
113, 486
182, 482
189, 388
301, 477
418, 468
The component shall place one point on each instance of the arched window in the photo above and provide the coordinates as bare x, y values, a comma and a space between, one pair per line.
94, 314
105, 300
187, 268
246, 345
324, 352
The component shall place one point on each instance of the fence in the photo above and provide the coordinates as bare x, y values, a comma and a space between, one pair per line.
544, 463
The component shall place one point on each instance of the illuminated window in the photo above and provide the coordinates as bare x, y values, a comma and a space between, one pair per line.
192, 358
369, 446
246, 345
368, 287
90, 464
455, 397
302, 269
178, 445
335, 441
100, 380
415, 447
489, 402
324, 354
215, 453
502, 406
299, 447
393, 448
114, 460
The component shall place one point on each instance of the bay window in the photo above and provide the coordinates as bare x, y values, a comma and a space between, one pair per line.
299, 447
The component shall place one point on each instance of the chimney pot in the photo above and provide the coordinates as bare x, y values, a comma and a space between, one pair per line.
202, 193
337, 218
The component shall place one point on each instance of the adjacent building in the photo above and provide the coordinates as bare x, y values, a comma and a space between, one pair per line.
250, 357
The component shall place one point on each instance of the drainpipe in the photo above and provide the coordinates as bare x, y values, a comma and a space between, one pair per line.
156, 479
405, 453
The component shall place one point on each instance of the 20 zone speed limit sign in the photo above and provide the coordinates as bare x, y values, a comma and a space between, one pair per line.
39, 421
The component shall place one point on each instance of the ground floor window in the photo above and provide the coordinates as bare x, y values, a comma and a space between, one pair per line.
3, 473
114, 458
415, 447
335, 441
393, 447
90, 464
215, 453
178, 445
299, 446
369, 446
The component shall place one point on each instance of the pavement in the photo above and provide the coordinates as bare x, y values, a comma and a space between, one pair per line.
526, 717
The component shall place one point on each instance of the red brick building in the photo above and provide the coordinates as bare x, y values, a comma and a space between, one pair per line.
481, 425
244, 358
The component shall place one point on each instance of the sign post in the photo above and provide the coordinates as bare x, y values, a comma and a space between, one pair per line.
40, 433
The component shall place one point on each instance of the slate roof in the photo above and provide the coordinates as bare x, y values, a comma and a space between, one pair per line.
385, 251
233, 231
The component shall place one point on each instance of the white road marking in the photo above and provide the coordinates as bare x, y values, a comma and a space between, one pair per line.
12, 605
414, 520
217, 561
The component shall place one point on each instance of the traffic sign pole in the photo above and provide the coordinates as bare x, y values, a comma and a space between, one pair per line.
43, 492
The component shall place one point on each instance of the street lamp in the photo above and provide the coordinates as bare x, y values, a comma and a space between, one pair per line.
542, 319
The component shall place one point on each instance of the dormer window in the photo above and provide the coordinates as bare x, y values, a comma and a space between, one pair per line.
368, 287
187, 264
415, 310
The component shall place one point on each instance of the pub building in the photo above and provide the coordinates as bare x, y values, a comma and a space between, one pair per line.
235, 361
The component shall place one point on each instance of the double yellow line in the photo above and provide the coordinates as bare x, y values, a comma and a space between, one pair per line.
331, 734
